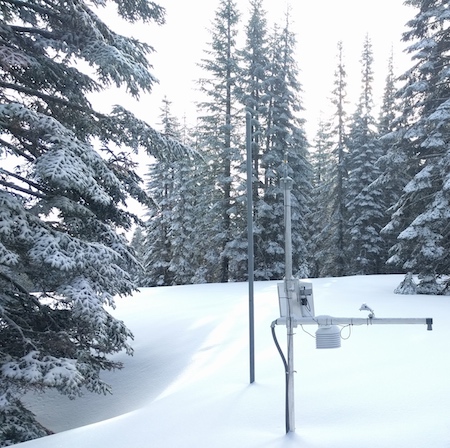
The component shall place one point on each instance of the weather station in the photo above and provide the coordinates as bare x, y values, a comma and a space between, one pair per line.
296, 303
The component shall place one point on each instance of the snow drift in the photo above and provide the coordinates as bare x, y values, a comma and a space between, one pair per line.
188, 382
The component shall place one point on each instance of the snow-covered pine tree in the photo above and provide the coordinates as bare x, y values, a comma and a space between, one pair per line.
252, 90
184, 202
321, 156
389, 110
365, 205
422, 214
219, 138
321, 163
157, 245
137, 245
253, 79
194, 258
330, 248
161, 186
391, 179
62, 201
284, 141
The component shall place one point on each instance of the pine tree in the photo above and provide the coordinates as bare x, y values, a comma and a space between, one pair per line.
63, 206
254, 80
252, 83
162, 187
330, 251
184, 206
389, 108
391, 180
137, 245
421, 216
218, 134
285, 141
321, 163
158, 248
365, 205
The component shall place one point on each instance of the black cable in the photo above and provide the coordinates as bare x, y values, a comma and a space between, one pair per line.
286, 370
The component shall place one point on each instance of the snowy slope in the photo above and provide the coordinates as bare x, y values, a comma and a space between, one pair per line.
188, 382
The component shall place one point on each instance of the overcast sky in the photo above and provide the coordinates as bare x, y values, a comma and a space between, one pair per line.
181, 42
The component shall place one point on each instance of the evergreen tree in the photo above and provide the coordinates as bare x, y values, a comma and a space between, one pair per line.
285, 153
63, 205
254, 81
389, 109
365, 205
321, 156
185, 212
421, 216
174, 242
166, 227
158, 248
252, 84
137, 245
219, 137
391, 180
330, 251
321, 163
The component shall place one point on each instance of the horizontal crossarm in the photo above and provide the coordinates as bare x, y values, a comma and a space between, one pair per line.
330, 320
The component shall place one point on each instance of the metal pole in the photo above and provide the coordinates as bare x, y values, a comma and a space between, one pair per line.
330, 320
289, 285
250, 254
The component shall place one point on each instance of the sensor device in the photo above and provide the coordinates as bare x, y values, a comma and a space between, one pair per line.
301, 302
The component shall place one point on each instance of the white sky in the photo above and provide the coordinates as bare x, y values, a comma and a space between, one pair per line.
319, 25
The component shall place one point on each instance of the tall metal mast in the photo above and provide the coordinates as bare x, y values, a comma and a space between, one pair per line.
286, 183
297, 308
250, 251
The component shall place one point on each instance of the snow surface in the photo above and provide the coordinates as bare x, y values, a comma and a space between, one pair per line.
188, 382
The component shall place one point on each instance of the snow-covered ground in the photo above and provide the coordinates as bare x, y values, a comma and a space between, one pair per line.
188, 382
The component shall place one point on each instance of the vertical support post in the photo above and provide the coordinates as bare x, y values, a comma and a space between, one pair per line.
287, 182
250, 251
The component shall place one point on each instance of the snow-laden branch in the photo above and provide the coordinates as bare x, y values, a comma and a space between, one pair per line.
15, 187
50, 98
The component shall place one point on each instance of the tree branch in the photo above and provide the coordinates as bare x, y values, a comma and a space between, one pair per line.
16, 150
29, 5
19, 287
24, 29
50, 98
17, 327
23, 179
23, 190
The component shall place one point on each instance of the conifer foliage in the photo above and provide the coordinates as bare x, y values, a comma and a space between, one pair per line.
167, 249
62, 200
421, 216
329, 241
365, 205
218, 134
284, 154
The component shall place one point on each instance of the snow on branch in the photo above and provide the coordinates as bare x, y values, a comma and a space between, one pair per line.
137, 133
134, 10
61, 373
68, 163
12, 58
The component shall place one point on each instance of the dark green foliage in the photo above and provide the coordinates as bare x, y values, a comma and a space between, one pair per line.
18, 424
218, 135
66, 177
365, 205
421, 216
329, 241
